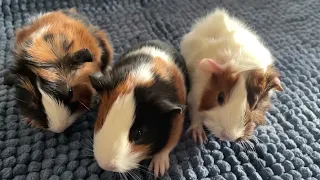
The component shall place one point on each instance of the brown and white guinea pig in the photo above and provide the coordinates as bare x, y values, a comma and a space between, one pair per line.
141, 110
230, 70
53, 57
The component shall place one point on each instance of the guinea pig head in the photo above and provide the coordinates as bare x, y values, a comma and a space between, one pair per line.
52, 95
132, 124
230, 98
223, 100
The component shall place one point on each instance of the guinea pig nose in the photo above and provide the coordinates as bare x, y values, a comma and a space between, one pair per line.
109, 167
225, 136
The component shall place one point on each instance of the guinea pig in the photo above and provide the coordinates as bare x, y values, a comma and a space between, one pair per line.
230, 71
141, 111
53, 56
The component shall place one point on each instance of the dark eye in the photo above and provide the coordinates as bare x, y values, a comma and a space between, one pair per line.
220, 98
137, 135
70, 93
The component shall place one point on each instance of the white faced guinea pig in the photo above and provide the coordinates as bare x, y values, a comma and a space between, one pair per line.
141, 111
53, 57
230, 72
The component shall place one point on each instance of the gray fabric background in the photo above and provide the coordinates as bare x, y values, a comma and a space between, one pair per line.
289, 145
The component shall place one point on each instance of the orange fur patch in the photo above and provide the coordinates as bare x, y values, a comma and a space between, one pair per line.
46, 74
58, 24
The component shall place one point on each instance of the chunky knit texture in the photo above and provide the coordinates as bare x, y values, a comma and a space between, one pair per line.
289, 145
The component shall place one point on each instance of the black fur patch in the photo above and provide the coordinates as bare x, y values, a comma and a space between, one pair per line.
152, 119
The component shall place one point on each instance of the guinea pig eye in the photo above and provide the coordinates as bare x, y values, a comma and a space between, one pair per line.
137, 135
70, 93
220, 98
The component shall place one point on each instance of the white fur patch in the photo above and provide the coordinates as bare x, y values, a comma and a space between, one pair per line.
111, 146
59, 116
227, 121
40, 32
40, 15
154, 52
224, 38
143, 74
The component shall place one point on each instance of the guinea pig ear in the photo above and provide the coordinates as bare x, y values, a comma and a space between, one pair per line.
209, 65
169, 107
275, 83
96, 80
82, 56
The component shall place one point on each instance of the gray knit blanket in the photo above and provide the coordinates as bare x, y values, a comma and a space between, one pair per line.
288, 147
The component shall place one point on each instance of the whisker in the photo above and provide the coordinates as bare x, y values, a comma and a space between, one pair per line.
87, 145
125, 176
131, 175
20, 100
91, 142
84, 105
134, 174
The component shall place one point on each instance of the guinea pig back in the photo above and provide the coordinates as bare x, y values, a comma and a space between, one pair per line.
53, 55
142, 106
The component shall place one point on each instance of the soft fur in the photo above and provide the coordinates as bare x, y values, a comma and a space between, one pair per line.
54, 54
142, 108
222, 53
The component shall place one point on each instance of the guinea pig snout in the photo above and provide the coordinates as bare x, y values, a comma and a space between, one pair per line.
228, 136
109, 166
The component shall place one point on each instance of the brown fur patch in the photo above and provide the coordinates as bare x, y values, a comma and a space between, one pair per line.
108, 99
33, 123
259, 83
218, 83
161, 68
256, 117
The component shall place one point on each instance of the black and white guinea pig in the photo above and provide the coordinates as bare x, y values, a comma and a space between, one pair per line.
141, 110
230, 70
53, 57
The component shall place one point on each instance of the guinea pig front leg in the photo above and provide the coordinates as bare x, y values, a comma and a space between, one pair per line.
160, 162
196, 127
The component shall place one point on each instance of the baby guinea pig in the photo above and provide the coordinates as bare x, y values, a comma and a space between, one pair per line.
141, 110
53, 57
230, 71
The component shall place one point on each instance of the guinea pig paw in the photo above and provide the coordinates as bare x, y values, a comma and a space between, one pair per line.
160, 164
198, 135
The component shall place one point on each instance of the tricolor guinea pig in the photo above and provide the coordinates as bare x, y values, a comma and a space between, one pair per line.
53, 57
231, 76
141, 111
